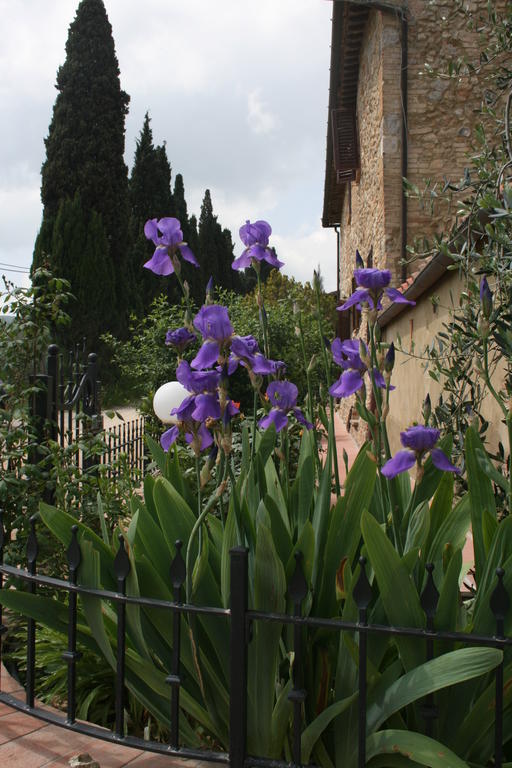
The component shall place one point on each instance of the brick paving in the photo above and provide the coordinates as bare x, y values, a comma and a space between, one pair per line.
26, 742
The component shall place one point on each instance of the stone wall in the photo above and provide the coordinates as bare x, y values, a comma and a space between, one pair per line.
363, 206
441, 115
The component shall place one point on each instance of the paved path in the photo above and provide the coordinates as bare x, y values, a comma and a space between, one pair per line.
26, 742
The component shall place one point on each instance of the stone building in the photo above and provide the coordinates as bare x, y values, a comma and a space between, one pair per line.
388, 120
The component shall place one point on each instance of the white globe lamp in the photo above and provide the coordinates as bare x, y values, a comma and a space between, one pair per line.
167, 397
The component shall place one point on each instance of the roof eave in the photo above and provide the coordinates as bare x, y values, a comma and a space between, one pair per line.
429, 275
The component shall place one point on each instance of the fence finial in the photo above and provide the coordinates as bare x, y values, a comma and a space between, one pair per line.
362, 592
430, 595
178, 570
121, 561
298, 586
500, 600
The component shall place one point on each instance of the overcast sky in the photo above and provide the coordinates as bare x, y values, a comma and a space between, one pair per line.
238, 89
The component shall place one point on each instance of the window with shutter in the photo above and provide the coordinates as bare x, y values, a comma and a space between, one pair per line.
345, 144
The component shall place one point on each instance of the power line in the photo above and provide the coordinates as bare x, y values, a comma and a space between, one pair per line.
14, 267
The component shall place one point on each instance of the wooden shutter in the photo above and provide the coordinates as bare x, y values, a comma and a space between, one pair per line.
345, 144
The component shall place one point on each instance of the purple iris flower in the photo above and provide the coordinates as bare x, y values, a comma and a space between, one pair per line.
418, 441
167, 243
245, 349
180, 338
347, 354
212, 322
372, 284
283, 399
201, 405
255, 237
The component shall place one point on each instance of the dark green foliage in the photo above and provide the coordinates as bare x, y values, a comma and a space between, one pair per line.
150, 198
84, 156
216, 249
37, 314
78, 246
144, 363
193, 275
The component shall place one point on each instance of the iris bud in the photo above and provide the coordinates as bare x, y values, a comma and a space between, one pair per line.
363, 353
359, 260
427, 409
389, 360
209, 291
485, 298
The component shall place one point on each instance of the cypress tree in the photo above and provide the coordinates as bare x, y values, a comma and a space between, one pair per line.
84, 156
195, 277
150, 198
216, 248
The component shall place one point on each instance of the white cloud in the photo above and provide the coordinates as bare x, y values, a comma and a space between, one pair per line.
259, 117
307, 252
228, 87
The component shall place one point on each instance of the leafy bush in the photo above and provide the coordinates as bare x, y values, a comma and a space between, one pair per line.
143, 363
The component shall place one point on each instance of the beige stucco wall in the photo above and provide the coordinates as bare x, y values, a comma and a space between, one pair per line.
416, 327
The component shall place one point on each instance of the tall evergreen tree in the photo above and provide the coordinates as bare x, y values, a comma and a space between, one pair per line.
216, 248
84, 156
150, 198
193, 275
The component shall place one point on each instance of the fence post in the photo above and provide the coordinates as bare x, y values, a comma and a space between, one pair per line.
362, 594
238, 657
121, 570
429, 600
178, 575
297, 591
72, 656
39, 413
32, 552
499, 604
52, 368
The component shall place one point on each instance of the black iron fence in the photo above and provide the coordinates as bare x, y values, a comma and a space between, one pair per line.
66, 408
241, 619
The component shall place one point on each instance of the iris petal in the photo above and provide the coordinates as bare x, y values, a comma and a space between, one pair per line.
276, 417
357, 297
160, 263
207, 355
169, 437
348, 383
301, 418
401, 462
243, 262
188, 255
440, 461
398, 298
151, 230
207, 406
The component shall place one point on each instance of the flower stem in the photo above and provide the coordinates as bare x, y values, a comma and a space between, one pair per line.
254, 424
493, 392
331, 399
263, 317
197, 525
